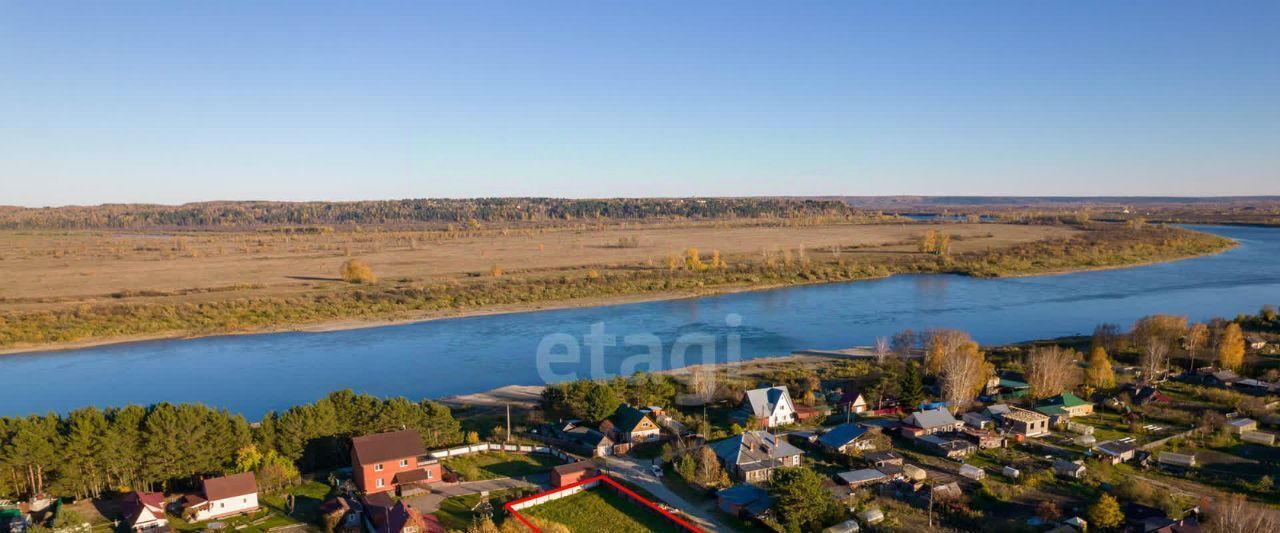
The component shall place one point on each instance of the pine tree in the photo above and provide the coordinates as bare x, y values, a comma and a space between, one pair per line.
912, 387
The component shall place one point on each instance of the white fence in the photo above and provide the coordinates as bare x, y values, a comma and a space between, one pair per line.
492, 447
555, 495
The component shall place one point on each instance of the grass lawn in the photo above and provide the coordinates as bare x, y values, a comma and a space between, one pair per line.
600, 509
493, 465
455, 513
271, 513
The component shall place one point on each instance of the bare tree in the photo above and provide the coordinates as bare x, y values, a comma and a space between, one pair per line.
1197, 338
1233, 513
1155, 357
940, 345
881, 349
1050, 370
903, 342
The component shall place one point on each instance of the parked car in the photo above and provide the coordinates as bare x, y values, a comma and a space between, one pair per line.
657, 470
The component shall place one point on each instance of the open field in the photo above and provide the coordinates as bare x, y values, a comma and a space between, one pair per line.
62, 267
83, 288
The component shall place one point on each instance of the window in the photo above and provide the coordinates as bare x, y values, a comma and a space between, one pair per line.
404, 462
377, 467
429, 474
379, 482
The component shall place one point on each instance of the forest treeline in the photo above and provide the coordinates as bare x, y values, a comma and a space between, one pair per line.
165, 446
1101, 246
410, 211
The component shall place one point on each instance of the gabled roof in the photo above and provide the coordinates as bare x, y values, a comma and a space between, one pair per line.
626, 418
380, 447
742, 494
842, 434
762, 403
219, 488
136, 502
886, 455
1065, 399
753, 449
931, 419
851, 396
1115, 447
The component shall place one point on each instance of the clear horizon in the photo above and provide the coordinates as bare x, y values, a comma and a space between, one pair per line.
166, 103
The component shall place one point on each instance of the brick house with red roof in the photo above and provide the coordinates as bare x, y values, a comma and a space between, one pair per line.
389, 461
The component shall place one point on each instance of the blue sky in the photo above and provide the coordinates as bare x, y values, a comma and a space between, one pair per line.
172, 102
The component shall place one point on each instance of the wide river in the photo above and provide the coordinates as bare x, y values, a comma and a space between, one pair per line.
252, 374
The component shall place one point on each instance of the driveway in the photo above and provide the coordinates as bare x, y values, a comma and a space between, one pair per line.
637, 471
428, 503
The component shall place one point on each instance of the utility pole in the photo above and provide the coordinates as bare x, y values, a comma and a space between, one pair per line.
508, 423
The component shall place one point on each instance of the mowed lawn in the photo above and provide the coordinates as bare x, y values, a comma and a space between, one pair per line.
600, 509
493, 465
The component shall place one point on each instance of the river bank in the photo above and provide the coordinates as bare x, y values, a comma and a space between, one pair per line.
987, 268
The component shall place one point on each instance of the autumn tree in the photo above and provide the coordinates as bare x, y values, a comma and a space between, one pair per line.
940, 345
928, 242
356, 271
707, 470
693, 261
1105, 513
1159, 329
1231, 347
1099, 374
964, 373
1050, 370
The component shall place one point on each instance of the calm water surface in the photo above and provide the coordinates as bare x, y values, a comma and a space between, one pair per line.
252, 374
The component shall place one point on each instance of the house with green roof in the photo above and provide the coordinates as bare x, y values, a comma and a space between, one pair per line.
1066, 405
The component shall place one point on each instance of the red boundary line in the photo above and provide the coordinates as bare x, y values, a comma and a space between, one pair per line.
605, 478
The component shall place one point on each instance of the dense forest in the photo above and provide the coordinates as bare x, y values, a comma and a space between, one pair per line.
90, 451
410, 211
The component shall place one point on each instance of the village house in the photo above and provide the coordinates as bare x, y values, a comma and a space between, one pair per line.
744, 500
1256, 387
346, 513
395, 516
922, 423
769, 407
845, 438
1115, 451
1071, 469
571, 473
1143, 394
634, 426
978, 420
852, 401
1025, 423
144, 512
753, 455
1255, 342
222, 497
1065, 404
983, 439
392, 461
574, 434
881, 458
943, 444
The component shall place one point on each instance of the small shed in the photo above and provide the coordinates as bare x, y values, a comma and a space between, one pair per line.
1071, 469
972, 472
572, 473
1011, 472
1241, 425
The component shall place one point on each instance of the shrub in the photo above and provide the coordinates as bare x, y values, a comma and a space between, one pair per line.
357, 271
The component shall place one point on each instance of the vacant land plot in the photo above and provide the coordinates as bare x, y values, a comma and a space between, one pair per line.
600, 510
493, 465
64, 267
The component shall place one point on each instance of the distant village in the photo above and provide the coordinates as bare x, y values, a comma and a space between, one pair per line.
1165, 427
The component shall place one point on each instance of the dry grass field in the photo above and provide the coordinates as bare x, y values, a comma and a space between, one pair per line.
47, 269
